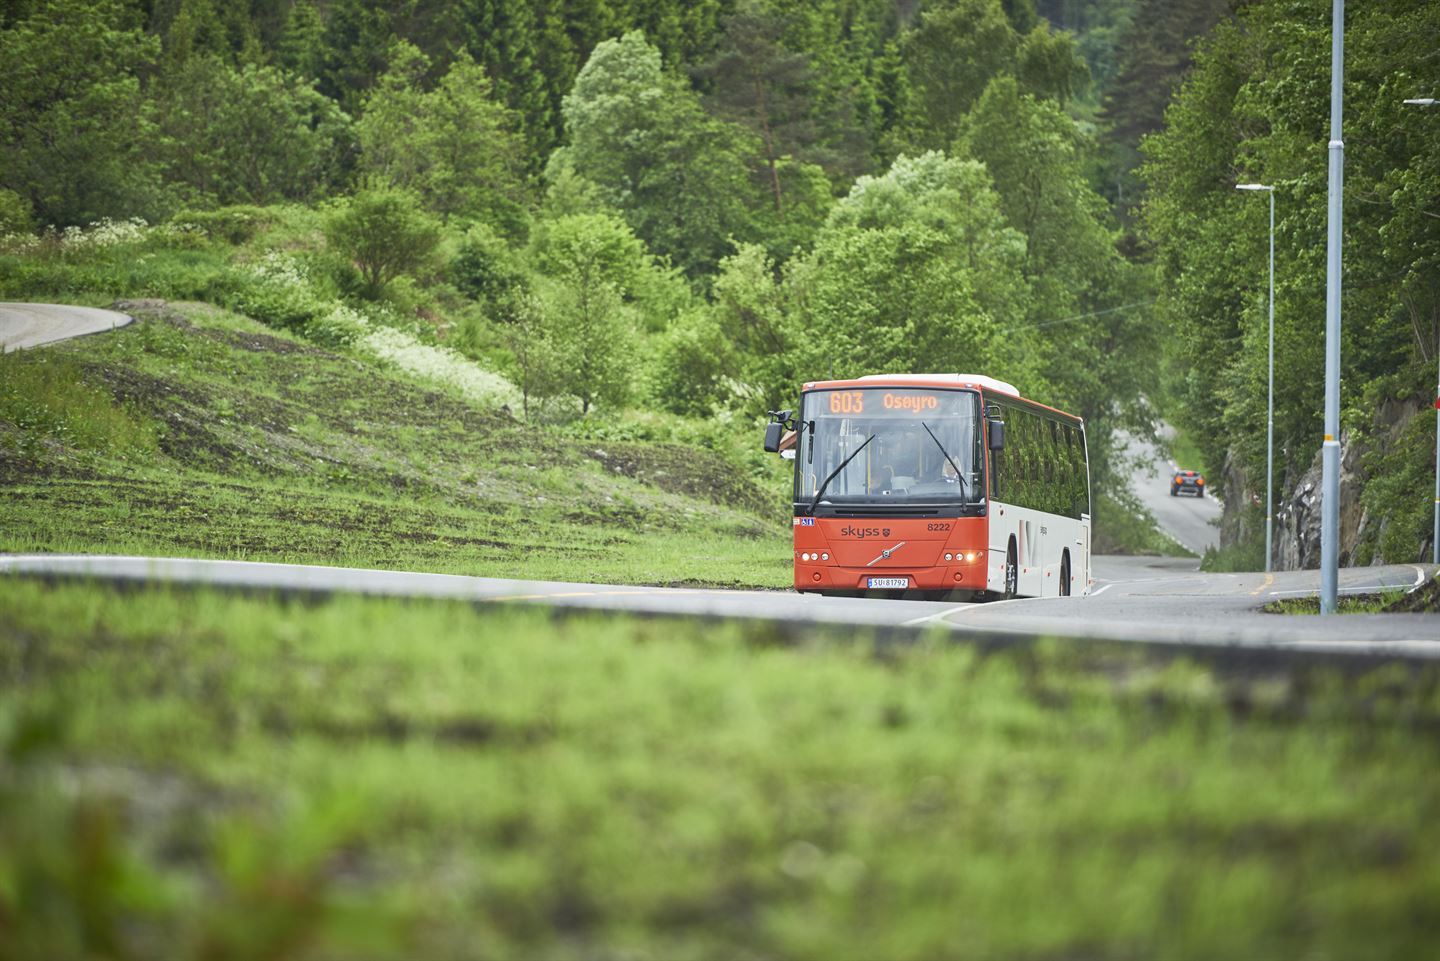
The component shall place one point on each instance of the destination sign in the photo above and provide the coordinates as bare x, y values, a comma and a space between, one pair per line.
876, 402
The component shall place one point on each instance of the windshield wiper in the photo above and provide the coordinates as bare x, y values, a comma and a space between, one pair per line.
964, 484
820, 491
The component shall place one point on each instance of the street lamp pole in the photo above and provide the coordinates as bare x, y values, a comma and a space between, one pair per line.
1270, 396
1330, 449
1435, 534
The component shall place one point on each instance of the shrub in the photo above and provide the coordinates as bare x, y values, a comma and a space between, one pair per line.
234, 225
342, 326
487, 270
692, 366
384, 233
15, 215
276, 290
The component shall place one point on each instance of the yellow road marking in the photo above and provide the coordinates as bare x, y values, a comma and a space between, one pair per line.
1269, 579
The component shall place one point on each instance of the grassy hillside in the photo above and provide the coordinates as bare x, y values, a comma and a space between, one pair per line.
196, 775
199, 432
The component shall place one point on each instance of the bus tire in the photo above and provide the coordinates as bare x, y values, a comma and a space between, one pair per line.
1065, 574
1012, 573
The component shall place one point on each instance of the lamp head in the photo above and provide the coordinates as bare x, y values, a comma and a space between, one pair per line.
1254, 187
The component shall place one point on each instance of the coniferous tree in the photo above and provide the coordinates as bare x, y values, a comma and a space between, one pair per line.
300, 47
454, 146
1155, 54
754, 80
504, 39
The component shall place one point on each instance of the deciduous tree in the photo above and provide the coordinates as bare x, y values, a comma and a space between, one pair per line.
641, 136
76, 130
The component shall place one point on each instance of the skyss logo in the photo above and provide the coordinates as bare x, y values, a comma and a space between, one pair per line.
864, 532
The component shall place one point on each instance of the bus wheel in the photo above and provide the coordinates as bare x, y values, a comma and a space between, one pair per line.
1012, 572
1065, 574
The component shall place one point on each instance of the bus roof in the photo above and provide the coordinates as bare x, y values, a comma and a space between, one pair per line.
930, 380
920, 380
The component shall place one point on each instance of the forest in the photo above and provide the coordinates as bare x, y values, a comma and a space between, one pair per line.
601, 212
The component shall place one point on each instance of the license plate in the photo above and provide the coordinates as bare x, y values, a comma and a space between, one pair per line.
888, 582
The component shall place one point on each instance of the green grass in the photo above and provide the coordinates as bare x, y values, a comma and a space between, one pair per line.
1122, 525
265, 447
1187, 454
1246, 555
1376, 603
46, 399
1423, 599
197, 775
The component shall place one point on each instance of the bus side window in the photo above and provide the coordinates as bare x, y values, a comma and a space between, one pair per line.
1077, 470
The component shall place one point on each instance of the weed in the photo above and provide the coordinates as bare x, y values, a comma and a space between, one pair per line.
47, 396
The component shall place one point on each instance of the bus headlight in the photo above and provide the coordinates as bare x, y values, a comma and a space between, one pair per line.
825, 556
949, 557
805, 556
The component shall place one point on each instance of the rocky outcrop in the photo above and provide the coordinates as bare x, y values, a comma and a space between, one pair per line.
1297, 514
1297, 509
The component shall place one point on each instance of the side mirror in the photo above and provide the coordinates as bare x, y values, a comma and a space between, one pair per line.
996, 434
773, 432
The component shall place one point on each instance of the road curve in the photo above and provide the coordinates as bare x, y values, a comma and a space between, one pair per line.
30, 325
1193, 522
1163, 601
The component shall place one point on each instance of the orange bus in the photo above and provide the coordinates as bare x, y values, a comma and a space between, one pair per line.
935, 485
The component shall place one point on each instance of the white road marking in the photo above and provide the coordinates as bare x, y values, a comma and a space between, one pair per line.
1101, 591
978, 606
934, 617
1419, 576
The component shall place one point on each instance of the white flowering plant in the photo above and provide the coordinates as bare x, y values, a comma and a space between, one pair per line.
439, 366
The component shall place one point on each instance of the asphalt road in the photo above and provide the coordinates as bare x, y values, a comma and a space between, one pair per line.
30, 325
1151, 600
1191, 521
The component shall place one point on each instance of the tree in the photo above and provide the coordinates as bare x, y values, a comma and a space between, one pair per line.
505, 39
950, 57
384, 233
1050, 65
1036, 156
754, 80
75, 127
454, 146
1255, 107
1154, 56
677, 175
253, 134
203, 28
596, 247
300, 48
590, 333
914, 270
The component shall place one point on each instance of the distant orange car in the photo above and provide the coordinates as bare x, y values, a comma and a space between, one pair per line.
1187, 480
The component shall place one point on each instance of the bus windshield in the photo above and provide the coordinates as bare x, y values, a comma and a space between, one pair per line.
916, 446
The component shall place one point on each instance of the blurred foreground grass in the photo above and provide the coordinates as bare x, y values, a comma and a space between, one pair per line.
196, 775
